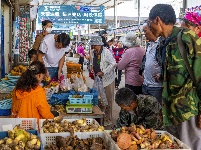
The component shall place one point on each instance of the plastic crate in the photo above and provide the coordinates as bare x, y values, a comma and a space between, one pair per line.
91, 92
86, 99
58, 99
184, 146
51, 138
4, 134
80, 108
88, 120
12, 77
26, 123
5, 112
6, 104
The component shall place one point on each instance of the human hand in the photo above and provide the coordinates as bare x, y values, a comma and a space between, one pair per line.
60, 75
157, 77
91, 69
100, 74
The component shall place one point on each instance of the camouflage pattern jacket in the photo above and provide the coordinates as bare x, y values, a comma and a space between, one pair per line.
148, 114
180, 97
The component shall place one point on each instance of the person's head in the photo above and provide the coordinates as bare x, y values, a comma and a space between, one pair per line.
126, 99
131, 40
32, 77
47, 26
148, 34
110, 42
96, 43
62, 40
119, 44
32, 54
115, 41
103, 33
162, 19
192, 21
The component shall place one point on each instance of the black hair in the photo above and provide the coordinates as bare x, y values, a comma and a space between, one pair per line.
189, 23
125, 96
165, 12
64, 39
28, 79
45, 22
102, 32
32, 52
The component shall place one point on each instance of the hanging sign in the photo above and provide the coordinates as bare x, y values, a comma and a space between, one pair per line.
72, 14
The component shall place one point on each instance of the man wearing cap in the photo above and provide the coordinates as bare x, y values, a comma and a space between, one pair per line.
102, 64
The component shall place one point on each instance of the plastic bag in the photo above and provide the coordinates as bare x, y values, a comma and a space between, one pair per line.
98, 85
65, 85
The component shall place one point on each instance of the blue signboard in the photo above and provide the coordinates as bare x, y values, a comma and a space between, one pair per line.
72, 14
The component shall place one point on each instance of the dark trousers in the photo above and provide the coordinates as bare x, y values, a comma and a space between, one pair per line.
136, 89
81, 61
154, 91
118, 77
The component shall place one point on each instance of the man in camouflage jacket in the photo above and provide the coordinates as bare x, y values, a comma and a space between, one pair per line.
180, 96
141, 110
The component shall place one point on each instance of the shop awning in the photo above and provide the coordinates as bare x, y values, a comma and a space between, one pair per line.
107, 3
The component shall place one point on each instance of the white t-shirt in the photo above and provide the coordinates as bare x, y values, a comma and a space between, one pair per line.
52, 55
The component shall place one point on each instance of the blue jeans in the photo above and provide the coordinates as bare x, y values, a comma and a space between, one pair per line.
154, 91
53, 72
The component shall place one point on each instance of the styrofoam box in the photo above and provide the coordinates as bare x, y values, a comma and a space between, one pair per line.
158, 132
88, 120
51, 138
26, 123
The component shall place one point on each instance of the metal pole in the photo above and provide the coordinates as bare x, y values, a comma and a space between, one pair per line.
115, 17
184, 5
138, 2
16, 14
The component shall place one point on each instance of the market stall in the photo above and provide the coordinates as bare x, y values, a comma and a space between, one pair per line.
85, 133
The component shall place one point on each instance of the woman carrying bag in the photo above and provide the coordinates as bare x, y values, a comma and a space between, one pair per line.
102, 64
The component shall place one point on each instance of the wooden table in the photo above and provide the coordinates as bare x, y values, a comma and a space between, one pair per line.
97, 114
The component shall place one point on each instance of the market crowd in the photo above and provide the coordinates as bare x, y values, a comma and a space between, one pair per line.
162, 80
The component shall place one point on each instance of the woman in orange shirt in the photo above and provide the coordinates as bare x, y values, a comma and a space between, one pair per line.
29, 98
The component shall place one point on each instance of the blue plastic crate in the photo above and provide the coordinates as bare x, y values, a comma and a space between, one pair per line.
91, 92
5, 112
6, 104
59, 99
86, 99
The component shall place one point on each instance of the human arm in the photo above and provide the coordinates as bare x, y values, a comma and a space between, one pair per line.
124, 119
124, 61
193, 43
150, 112
61, 63
15, 106
38, 41
108, 61
42, 106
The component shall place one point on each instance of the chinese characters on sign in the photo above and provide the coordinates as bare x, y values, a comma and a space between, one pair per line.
72, 14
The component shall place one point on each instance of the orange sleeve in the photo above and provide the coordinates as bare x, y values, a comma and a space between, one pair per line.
37, 42
42, 106
15, 105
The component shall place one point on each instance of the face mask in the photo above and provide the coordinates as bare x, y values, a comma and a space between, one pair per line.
49, 30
